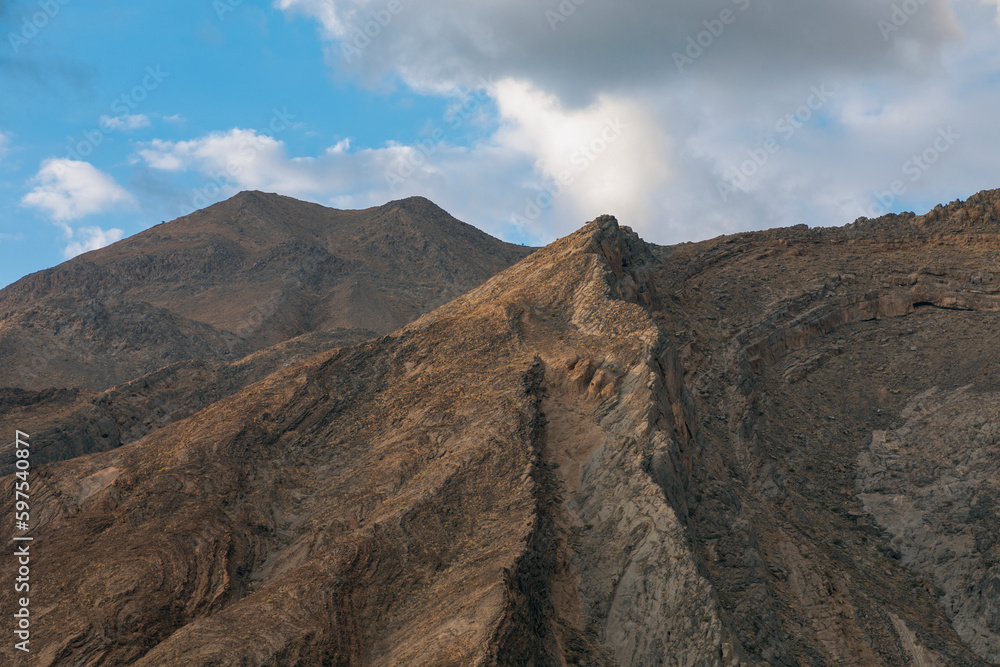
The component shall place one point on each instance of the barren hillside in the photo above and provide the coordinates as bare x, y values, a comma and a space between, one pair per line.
775, 448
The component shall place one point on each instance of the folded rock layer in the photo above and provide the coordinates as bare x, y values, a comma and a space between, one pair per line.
774, 448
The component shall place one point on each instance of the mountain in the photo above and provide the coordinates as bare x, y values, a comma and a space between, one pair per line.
114, 344
237, 277
772, 448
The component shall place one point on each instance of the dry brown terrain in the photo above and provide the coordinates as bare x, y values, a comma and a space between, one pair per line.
234, 278
774, 448
111, 345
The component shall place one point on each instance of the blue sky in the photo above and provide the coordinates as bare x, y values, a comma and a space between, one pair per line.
241, 70
686, 119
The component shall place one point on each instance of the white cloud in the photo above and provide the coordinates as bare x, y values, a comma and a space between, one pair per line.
462, 180
234, 152
691, 127
4, 144
69, 189
86, 239
124, 123
607, 157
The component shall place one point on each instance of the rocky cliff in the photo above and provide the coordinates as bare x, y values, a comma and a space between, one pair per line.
773, 448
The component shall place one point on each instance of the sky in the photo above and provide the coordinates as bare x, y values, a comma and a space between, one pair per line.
685, 119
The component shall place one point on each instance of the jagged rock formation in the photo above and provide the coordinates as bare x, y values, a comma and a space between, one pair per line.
773, 448
798, 344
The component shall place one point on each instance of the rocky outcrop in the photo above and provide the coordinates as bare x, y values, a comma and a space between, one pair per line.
933, 483
609, 453
649, 596
335, 499
769, 350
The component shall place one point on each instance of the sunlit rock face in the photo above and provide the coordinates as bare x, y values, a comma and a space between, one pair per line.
774, 448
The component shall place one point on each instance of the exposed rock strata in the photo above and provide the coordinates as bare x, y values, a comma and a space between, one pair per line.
933, 483
610, 454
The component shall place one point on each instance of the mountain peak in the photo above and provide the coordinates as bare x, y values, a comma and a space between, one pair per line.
416, 202
252, 205
254, 270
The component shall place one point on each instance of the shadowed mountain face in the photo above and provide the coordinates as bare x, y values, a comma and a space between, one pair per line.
234, 278
776, 448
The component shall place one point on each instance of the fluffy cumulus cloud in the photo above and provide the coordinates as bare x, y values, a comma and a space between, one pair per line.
720, 116
602, 158
67, 190
341, 176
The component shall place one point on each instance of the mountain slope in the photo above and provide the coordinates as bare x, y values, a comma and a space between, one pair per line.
810, 352
74, 421
770, 448
377, 504
239, 276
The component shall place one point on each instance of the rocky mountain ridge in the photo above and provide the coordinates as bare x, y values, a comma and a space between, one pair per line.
234, 278
771, 448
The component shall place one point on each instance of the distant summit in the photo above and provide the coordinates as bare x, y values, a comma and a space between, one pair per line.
243, 274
